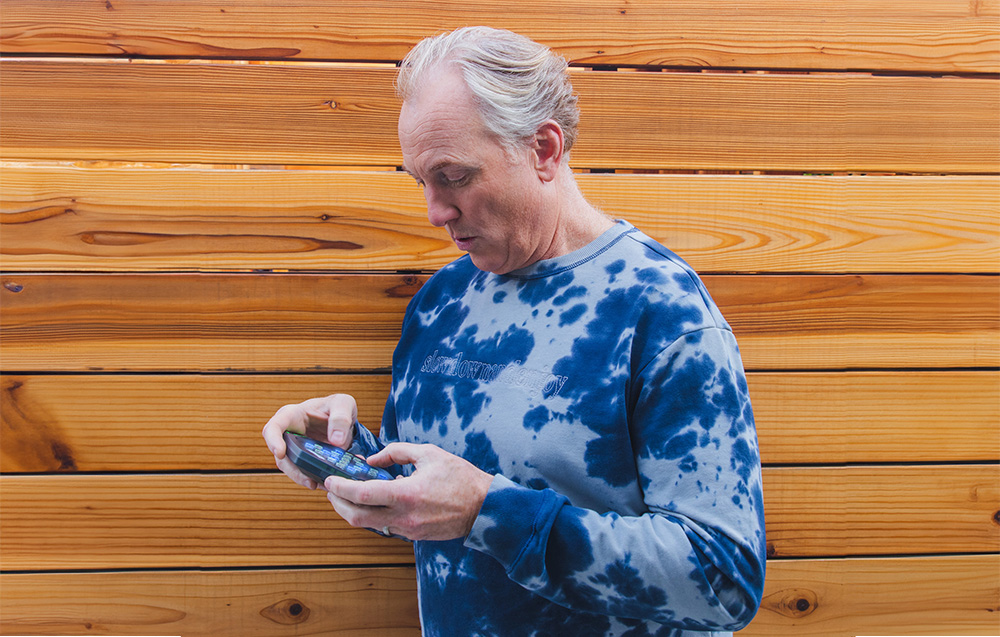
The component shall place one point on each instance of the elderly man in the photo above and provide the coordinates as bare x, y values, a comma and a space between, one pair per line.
569, 415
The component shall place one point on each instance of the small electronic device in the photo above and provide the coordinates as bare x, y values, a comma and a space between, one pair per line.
319, 460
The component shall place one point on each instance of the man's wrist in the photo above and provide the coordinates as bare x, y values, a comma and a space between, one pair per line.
481, 488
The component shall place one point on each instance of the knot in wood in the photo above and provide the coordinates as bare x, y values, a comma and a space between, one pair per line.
287, 612
792, 602
409, 285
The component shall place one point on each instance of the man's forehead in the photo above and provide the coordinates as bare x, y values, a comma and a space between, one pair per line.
437, 137
440, 165
430, 145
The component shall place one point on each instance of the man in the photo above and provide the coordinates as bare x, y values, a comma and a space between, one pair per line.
568, 406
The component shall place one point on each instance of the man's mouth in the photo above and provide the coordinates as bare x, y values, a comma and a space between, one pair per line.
464, 243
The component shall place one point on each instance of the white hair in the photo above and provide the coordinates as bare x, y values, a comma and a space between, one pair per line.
518, 84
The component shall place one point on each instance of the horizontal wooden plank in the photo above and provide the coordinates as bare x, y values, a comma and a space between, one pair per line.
943, 35
868, 510
954, 595
809, 322
182, 521
98, 217
60, 522
300, 113
203, 322
371, 602
189, 423
88, 422
844, 417
339, 322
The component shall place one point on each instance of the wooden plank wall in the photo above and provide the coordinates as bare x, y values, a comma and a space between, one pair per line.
203, 219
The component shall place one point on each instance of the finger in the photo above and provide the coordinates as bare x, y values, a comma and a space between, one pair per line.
360, 516
399, 453
341, 415
309, 418
289, 469
288, 418
365, 493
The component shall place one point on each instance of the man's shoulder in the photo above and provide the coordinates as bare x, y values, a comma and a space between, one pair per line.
661, 283
644, 249
642, 260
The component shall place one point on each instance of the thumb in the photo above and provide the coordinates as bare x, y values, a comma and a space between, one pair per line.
399, 453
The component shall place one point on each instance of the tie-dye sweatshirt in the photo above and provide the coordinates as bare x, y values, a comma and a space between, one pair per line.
605, 392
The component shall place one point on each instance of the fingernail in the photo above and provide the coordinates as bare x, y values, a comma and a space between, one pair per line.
338, 437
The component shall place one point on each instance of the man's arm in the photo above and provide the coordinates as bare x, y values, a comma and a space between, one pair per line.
696, 559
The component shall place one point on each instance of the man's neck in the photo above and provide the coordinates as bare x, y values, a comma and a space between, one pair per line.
580, 223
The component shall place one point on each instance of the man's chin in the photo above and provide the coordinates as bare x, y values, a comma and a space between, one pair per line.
486, 265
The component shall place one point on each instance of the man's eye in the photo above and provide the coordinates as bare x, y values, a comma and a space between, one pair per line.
453, 181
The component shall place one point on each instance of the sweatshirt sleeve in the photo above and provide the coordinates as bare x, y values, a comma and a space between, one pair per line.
695, 558
365, 443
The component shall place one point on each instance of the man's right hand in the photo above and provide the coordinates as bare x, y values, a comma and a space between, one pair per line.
331, 419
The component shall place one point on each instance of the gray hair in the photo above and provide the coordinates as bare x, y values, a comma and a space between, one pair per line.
518, 83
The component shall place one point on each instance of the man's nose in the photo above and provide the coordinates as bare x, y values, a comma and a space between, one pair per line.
440, 209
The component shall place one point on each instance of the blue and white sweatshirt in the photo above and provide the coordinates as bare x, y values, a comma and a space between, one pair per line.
605, 392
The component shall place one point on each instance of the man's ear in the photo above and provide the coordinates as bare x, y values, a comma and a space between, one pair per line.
548, 150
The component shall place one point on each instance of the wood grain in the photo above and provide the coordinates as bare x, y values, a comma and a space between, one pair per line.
954, 595
845, 417
790, 322
66, 423
240, 520
127, 218
371, 602
179, 521
165, 146
854, 511
941, 36
158, 423
300, 113
204, 322
957, 595
299, 322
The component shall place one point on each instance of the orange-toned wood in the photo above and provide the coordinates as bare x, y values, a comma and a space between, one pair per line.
836, 417
955, 595
372, 602
808, 322
233, 520
203, 322
256, 322
64, 216
159, 423
943, 36
871, 510
346, 114
182, 521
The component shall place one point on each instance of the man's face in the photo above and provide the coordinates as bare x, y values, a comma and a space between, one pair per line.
487, 199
